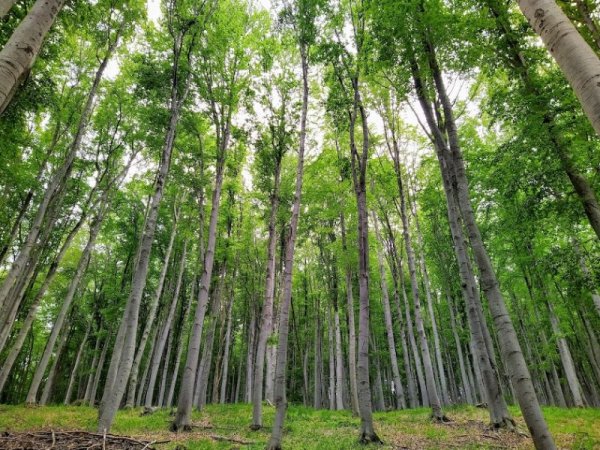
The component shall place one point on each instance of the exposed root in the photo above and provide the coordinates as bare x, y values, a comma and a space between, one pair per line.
175, 428
441, 419
506, 423
369, 438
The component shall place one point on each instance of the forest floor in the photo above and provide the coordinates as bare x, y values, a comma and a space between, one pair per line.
226, 427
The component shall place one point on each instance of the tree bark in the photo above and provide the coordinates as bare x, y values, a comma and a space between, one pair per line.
124, 351
19, 53
66, 306
387, 314
266, 322
162, 340
67, 400
149, 321
286, 299
578, 62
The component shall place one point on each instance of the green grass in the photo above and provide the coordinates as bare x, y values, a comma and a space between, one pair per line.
310, 429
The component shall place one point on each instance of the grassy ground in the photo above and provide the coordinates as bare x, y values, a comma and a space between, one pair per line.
310, 429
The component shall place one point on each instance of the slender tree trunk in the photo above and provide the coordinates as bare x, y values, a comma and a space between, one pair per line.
92, 370
513, 356
149, 322
387, 314
317, 401
281, 362
186, 392
64, 310
578, 62
165, 372
250, 355
98, 373
266, 323
461, 358
56, 187
67, 400
49, 385
223, 397
351, 325
19, 53
124, 351
566, 359
162, 340
339, 362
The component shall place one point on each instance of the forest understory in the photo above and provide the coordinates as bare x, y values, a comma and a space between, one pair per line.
225, 427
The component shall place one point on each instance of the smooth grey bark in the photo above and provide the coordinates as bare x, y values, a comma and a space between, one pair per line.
19, 53
165, 372
266, 322
318, 365
432, 391
124, 350
331, 345
5, 6
149, 322
75, 368
509, 344
209, 339
387, 314
578, 62
186, 393
378, 397
166, 329
143, 382
339, 362
180, 343
250, 356
566, 358
290, 245
223, 396
461, 359
65, 307
92, 398
49, 384
92, 369
351, 324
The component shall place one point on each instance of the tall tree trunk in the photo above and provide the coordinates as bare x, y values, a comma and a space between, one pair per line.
318, 367
223, 397
124, 350
162, 340
266, 322
149, 322
65, 307
286, 298
250, 354
432, 392
351, 325
387, 314
339, 362
49, 385
186, 392
578, 62
461, 359
566, 358
67, 400
511, 349
56, 187
19, 53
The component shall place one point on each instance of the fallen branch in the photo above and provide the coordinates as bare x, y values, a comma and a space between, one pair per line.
230, 439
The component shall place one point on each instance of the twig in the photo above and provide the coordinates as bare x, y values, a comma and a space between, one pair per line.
230, 439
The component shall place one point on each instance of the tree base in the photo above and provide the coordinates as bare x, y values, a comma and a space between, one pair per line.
272, 446
506, 423
255, 427
175, 428
440, 419
369, 438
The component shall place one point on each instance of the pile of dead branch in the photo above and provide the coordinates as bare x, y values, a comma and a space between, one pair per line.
70, 440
